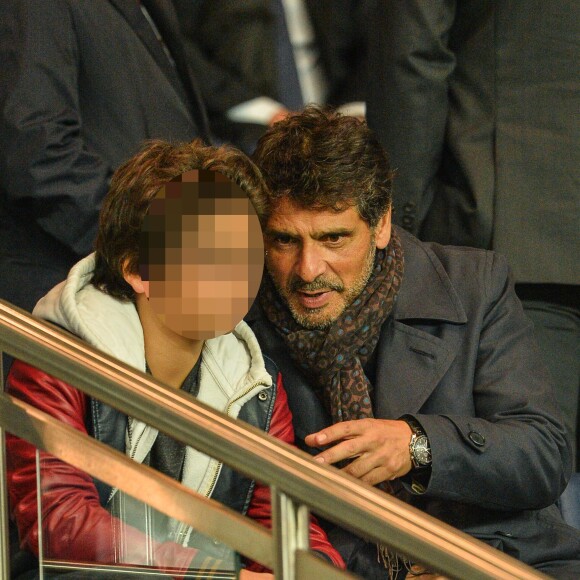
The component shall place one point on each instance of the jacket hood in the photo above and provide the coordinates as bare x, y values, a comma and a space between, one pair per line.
108, 324
113, 326
232, 371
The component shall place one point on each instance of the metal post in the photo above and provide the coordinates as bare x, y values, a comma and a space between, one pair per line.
290, 524
40, 522
302, 526
4, 532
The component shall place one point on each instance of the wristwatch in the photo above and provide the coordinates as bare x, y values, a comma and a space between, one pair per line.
419, 447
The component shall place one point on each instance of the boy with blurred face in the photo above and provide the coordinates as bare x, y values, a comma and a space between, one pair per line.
178, 261
200, 264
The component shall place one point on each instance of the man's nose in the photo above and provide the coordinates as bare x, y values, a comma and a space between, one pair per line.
310, 263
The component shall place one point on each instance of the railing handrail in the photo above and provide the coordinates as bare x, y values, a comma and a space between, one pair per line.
363, 509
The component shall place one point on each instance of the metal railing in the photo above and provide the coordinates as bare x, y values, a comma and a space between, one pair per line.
297, 483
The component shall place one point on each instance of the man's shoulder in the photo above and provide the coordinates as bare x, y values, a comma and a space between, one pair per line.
78, 8
446, 279
449, 256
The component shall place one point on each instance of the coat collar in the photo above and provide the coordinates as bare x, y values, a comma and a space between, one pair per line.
426, 292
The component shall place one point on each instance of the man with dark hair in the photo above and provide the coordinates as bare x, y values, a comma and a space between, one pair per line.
410, 365
178, 262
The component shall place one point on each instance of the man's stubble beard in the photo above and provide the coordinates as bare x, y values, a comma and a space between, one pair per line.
349, 295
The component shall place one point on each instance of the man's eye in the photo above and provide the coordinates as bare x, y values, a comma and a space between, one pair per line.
333, 238
283, 240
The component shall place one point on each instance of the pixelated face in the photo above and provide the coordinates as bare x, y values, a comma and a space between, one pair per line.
320, 260
201, 254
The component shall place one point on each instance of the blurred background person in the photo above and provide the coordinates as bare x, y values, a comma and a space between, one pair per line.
275, 56
83, 84
477, 104
142, 297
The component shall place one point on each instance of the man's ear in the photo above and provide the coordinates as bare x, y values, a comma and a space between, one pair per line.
383, 231
134, 280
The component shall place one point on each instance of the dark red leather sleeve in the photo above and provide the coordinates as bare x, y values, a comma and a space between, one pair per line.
75, 525
260, 507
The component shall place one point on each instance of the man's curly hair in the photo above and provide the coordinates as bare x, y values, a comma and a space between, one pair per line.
321, 159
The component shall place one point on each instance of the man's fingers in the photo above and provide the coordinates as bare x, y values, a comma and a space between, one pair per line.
380, 446
344, 450
337, 432
375, 476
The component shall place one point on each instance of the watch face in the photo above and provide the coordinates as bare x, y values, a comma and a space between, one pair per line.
422, 451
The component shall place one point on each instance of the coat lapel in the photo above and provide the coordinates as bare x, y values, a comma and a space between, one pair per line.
131, 11
180, 77
415, 364
412, 361
165, 17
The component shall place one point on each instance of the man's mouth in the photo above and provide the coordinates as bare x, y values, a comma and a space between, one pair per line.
313, 299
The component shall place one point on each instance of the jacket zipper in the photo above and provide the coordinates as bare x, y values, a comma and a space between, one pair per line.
184, 528
133, 451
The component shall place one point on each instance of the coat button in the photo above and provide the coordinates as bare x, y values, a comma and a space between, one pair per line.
476, 438
409, 207
262, 396
408, 221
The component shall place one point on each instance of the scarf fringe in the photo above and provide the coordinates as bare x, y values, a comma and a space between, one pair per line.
392, 561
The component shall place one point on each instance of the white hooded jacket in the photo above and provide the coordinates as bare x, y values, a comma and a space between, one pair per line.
232, 366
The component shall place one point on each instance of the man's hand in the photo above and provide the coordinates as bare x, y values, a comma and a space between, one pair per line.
380, 448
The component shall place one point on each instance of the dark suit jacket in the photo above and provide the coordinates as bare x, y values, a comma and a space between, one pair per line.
83, 84
458, 353
477, 104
